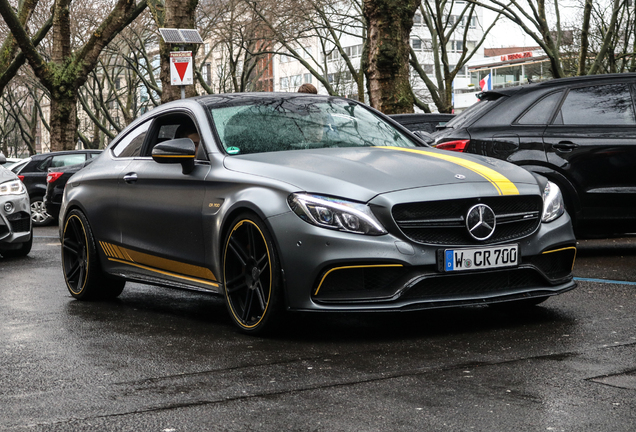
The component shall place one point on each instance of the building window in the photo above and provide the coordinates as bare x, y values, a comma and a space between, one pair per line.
416, 44
206, 72
307, 78
417, 19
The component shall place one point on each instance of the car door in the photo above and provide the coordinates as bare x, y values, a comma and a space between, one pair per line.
106, 186
592, 141
160, 208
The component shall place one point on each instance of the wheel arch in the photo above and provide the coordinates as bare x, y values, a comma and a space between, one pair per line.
226, 225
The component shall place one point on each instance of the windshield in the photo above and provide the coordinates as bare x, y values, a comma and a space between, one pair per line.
295, 123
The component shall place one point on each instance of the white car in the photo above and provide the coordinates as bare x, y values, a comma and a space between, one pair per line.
16, 235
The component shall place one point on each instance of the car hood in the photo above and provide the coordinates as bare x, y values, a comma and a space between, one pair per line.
362, 173
6, 175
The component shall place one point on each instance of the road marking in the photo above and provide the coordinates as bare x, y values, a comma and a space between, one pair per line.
605, 281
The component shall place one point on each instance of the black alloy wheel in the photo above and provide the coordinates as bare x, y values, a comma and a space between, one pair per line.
84, 278
251, 276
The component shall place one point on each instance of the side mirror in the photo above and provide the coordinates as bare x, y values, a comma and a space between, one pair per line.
425, 136
181, 151
3, 159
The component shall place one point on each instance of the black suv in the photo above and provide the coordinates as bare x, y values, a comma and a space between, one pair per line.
578, 132
33, 174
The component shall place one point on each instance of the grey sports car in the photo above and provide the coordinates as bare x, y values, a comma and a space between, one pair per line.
308, 203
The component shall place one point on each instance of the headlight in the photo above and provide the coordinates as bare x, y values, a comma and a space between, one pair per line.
337, 214
553, 206
13, 187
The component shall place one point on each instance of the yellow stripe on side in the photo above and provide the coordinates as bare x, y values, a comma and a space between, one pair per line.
352, 267
498, 180
563, 249
157, 264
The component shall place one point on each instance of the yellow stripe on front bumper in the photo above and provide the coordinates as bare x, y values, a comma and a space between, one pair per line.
498, 180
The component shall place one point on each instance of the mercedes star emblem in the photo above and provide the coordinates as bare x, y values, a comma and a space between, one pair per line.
480, 222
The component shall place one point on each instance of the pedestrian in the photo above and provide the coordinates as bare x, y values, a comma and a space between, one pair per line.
307, 88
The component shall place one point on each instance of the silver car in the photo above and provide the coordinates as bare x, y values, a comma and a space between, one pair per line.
16, 234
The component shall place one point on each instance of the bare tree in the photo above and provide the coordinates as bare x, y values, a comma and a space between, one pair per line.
387, 54
68, 68
11, 59
542, 22
451, 29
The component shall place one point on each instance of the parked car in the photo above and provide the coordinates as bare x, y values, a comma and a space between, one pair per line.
9, 162
423, 122
578, 132
34, 170
56, 180
16, 237
308, 203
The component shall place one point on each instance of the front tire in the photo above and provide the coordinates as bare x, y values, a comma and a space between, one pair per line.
84, 277
251, 276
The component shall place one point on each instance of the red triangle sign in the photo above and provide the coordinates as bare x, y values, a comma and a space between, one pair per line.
181, 68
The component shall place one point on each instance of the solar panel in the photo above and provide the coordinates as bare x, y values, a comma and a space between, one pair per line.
191, 36
180, 36
171, 35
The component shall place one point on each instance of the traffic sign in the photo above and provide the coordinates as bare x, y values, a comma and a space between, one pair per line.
181, 68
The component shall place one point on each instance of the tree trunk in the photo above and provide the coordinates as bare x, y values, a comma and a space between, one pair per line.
63, 123
178, 14
387, 68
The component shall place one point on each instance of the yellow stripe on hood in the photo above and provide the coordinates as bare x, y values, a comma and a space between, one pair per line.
499, 181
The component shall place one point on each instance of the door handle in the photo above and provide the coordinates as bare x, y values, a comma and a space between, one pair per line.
130, 178
565, 146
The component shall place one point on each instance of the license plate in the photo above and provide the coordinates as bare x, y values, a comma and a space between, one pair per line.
481, 258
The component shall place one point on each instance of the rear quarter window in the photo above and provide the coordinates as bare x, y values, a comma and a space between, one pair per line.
541, 112
467, 117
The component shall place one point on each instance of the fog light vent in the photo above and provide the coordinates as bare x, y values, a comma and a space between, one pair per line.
9, 207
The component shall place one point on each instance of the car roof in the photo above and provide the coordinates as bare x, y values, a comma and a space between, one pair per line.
559, 82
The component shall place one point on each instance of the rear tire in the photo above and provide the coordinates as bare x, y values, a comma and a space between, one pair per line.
251, 276
84, 277
39, 215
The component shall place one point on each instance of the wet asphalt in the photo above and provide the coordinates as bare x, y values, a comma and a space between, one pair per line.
170, 361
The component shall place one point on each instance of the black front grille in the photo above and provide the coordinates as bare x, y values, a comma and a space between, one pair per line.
469, 285
444, 222
20, 222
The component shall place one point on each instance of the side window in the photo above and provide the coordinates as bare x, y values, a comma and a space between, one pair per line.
541, 111
598, 105
44, 165
130, 145
173, 126
65, 160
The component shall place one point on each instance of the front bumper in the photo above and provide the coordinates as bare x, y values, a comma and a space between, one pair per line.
335, 271
15, 224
